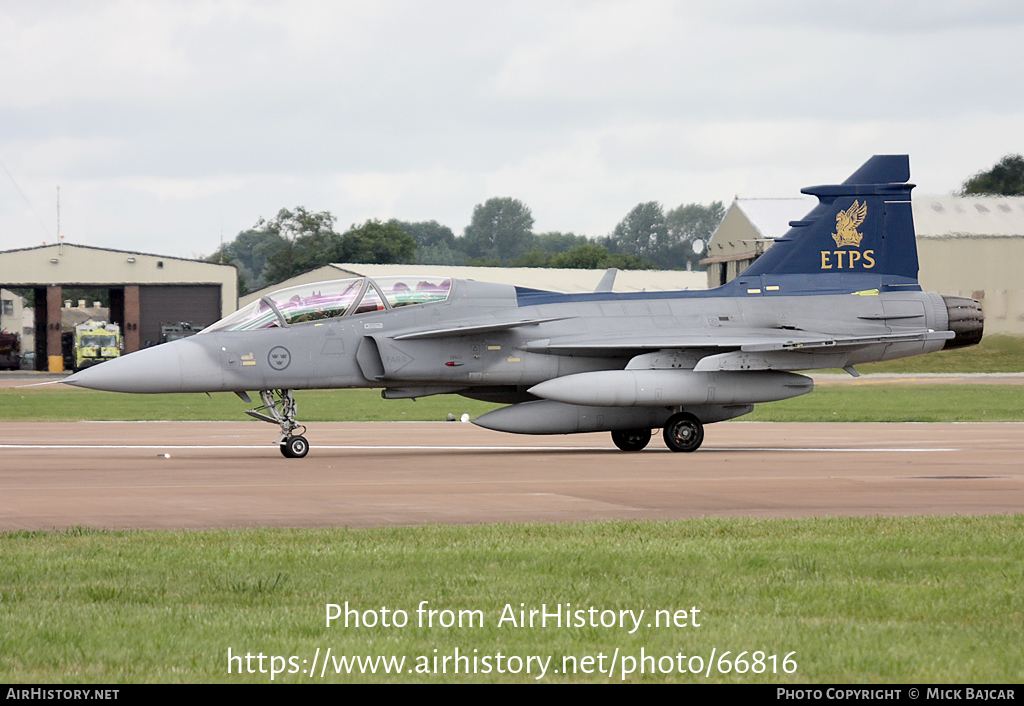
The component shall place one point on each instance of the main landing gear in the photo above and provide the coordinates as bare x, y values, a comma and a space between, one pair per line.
682, 432
632, 440
279, 408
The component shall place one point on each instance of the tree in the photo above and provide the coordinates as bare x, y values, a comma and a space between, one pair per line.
243, 277
629, 262
501, 229
250, 252
309, 242
534, 258
377, 243
643, 232
427, 233
583, 257
556, 242
440, 254
688, 224
1006, 178
587, 256
666, 240
298, 241
436, 244
548, 245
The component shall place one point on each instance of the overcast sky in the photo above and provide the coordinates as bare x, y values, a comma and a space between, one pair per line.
167, 125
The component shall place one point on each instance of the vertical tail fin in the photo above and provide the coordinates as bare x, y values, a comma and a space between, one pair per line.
861, 233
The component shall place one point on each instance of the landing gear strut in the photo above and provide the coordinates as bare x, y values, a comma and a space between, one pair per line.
683, 432
279, 408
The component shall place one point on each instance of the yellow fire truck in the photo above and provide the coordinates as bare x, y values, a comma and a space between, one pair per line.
90, 343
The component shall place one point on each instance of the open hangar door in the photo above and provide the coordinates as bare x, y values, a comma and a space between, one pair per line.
197, 304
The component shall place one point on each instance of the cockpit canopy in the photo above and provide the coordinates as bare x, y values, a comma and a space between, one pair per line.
332, 300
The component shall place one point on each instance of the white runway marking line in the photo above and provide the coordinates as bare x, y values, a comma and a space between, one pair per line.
353, 447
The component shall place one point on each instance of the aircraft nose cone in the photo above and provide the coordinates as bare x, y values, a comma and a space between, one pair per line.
156, 369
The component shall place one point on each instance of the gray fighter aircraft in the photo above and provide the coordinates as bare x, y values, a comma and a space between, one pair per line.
840, 288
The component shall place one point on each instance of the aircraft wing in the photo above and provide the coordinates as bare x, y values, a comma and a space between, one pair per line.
846, 341
473, 328
746, 341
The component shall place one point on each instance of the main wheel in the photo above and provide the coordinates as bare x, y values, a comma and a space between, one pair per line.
632, 440
683, 432
295, 447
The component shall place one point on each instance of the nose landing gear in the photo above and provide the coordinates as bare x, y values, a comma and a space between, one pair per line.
279, 408
295, 447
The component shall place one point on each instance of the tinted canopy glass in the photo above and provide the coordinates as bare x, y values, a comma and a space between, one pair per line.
330, 300
412, 289
316, 302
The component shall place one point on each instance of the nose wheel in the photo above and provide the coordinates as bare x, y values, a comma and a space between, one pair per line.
279, 408
295, 447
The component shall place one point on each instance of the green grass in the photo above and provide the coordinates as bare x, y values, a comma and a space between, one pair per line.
881, 401
857, 600
63, 404
891, 401
995, 354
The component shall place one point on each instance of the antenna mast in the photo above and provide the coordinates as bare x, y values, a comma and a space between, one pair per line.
60, 238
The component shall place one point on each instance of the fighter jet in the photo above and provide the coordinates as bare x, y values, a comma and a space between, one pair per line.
838, 289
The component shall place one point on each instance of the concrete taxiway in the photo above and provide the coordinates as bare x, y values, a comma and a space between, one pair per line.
224, 474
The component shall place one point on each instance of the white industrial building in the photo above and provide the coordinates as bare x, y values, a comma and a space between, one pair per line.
145, 291
11, 308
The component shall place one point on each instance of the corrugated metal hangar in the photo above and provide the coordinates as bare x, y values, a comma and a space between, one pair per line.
145, 290
969, 246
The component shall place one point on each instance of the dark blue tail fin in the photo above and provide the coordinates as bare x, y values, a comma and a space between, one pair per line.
860, 235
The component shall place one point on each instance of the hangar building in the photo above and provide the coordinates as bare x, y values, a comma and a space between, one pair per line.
145, 290
970, 246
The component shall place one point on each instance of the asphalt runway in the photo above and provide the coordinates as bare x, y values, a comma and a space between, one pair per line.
227, 474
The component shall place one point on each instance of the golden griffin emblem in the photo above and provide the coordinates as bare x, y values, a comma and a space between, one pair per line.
846, 225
